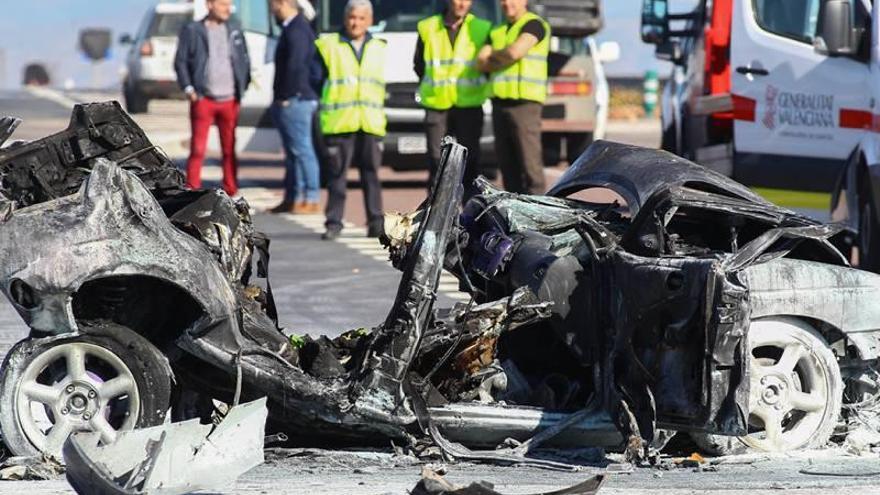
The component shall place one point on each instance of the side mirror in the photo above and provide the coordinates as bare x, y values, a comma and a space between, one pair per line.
609, 51
655, 22
126, 39
835, 28
670, 51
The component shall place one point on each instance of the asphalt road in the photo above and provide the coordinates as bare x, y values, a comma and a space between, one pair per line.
330, 287
22, 104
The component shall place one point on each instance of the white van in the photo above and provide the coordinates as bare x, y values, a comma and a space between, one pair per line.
574, 114
149, 64
786, 97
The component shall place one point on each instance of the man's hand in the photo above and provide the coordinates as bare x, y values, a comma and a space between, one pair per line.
483, 58
191, 94
489, 60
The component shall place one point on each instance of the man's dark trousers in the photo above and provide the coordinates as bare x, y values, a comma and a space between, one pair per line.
362, 149
466, 126
517, 128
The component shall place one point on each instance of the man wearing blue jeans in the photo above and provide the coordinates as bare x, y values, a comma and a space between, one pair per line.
294, 108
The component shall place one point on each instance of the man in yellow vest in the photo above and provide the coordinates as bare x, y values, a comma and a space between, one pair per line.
517, 61
451, 89
352, 113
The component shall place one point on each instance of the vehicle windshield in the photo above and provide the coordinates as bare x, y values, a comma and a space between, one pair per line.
399, 15
168, 24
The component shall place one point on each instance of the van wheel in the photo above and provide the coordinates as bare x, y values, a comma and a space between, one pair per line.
796, 392
668, 141
106, 379
551, 148
135, 101
576, 144
869, 235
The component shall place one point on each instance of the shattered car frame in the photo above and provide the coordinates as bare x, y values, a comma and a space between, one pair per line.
697, 306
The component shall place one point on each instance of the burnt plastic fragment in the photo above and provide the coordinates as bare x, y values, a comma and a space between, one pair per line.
56, 166
433, 483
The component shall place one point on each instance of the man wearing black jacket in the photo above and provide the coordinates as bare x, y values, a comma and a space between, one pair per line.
213, 68
293, 109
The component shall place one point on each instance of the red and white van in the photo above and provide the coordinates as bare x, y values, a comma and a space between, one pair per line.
778, 93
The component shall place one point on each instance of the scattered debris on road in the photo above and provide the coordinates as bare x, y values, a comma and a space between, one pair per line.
433, 483
30, 468
171, 459
694, 460
694, 306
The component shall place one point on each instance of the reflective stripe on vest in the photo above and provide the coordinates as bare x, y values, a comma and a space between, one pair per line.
451, 78
527, 78
353, 97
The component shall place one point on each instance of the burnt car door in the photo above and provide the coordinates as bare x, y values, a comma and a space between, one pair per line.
678, 320
683, 309
675, 332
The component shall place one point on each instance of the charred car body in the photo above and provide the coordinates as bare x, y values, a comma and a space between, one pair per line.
696, 306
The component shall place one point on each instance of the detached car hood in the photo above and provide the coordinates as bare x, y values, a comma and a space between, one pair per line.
637, 173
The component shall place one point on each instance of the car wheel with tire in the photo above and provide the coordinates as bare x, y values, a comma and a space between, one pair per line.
576, 144
106, 379
796, 391
668, 139
551, 148
135, 101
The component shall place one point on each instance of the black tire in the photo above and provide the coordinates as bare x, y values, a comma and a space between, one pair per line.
869, 233
147, 367
576, 144
685, 150
135, 101
668, 141
551, 149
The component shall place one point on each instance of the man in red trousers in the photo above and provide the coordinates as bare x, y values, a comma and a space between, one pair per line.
213, 68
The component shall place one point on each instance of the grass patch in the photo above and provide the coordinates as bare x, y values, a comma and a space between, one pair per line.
796, 199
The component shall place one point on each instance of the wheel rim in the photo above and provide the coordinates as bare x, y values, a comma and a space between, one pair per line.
75, 387
789, 391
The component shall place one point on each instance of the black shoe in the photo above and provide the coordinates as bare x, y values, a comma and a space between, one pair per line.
331, 234
375, 230
284, 207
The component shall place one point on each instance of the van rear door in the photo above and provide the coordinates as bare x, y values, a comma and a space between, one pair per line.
798, 113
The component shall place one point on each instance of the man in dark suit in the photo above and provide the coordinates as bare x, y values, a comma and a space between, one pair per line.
294, 107
213, 68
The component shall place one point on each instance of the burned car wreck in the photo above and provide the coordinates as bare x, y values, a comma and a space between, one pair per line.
692, 305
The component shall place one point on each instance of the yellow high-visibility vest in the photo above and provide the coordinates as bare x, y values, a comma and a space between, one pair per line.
353, 97
451, 78
527, 78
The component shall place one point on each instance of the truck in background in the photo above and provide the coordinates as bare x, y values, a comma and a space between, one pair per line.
574, 114
781, 94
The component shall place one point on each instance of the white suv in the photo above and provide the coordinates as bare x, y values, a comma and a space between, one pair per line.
150, 62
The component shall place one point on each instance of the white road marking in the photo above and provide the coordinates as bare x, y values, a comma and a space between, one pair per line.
51, 95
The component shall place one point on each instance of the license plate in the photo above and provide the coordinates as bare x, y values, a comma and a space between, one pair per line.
412, 145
